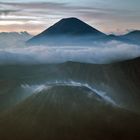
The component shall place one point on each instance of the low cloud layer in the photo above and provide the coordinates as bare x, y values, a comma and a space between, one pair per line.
99, 53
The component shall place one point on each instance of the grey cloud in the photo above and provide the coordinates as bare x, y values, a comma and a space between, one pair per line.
50, 12
43, 8
7, 12
64, 6
36, 5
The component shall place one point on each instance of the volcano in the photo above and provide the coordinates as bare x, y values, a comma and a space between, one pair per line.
70, 101
74, 32
68, 31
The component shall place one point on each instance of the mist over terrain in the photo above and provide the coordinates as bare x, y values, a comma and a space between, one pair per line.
69, 39
13, 39
98, 53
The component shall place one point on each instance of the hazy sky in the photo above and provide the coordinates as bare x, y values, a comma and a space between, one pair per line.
117, 16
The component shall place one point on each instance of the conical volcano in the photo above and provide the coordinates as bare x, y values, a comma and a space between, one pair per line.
71, 26
67, 31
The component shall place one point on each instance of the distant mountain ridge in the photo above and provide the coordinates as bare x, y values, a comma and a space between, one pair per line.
26, 34
13, 39
132, 37
73, 31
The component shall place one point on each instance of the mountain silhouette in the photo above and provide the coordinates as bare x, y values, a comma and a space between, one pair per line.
73, 31
132, 37
68, 30
71, 26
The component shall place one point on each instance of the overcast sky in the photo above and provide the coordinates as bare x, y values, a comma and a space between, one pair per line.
34, 16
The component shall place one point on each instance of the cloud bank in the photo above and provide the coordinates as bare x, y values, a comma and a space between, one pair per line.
98, 54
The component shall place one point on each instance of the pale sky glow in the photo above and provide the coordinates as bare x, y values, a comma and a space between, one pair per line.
34, 16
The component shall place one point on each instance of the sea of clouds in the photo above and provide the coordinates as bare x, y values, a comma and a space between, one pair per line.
99, 53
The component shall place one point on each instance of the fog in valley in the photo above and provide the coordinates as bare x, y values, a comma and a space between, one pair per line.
97, 53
